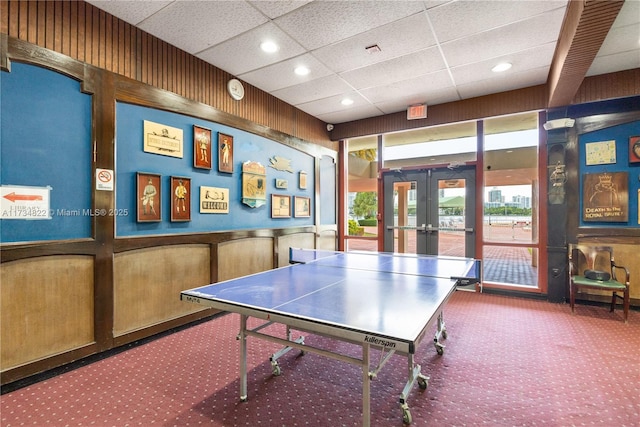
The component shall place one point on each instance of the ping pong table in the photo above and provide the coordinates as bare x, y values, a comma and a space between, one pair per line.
382, 301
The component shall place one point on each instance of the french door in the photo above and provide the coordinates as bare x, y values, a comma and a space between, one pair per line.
430, 211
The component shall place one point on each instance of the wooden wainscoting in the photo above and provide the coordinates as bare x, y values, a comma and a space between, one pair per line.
241, 257
147, 284
46, 307
299, 240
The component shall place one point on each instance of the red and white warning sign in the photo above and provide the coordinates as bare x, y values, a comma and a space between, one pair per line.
104, 179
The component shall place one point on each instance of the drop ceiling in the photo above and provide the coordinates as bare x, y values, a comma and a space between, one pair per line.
424, 51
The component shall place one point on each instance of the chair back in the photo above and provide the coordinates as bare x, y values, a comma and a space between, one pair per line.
590, 257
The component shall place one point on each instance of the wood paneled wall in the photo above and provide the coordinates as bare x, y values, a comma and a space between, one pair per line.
47, 307
88, 34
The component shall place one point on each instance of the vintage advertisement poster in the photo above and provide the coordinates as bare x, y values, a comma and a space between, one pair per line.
605, 197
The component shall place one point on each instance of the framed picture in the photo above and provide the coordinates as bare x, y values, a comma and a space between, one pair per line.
281, 184
634, 149
162, 139
180, 198
280, 206
201, 147
303, 180
600, 153
148, 196
225, 153
302, 207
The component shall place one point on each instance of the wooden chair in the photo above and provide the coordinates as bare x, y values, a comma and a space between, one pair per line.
598, 258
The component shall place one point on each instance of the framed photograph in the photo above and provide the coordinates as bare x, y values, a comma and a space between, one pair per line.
634, 149
201, 147
280, 206
302, 207
148, 195
180, 198
281, 184
225, 153
303, 180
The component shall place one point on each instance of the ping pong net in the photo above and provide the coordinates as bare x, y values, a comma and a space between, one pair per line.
464, 271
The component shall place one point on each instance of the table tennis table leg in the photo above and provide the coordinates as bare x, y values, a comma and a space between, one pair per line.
366, 386
243, 357
441, 332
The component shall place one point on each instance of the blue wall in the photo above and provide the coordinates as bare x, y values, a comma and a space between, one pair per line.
621, 135
45, 140
130, 159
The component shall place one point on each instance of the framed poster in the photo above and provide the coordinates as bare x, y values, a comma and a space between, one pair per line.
201, 147
225, 153
180, 198
634, 149
280, 206
149, 199
302, 207
600, 153
605, 197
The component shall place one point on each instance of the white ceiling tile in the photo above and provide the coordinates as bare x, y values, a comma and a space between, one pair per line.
281, 75
333, 103
398, 69
629, 14
621, 39
320, 23
504, 83
242, 53
197, 25
132, 12
534, 58
351, 114
411, 91
604, 64
313, 90
472, 17
276, 8
504, 40
396, 39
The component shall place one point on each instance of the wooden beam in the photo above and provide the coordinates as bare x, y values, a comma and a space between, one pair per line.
586, 25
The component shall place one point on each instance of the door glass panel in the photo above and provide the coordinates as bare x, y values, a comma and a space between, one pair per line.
508, 214
451, 217
404, 212
510, 265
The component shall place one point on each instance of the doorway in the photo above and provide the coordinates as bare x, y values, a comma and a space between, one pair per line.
430, 211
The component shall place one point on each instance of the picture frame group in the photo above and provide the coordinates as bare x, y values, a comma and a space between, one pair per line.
149, 197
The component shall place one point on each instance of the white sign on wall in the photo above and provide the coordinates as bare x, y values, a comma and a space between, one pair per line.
104, 179
24, 202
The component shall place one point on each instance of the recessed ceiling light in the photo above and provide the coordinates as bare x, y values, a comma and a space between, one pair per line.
504, 66
302, 70
346, 101
269, 46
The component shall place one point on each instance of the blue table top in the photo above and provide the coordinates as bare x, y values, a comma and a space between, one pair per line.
381, 294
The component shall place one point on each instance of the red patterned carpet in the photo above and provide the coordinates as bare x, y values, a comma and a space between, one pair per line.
508, 362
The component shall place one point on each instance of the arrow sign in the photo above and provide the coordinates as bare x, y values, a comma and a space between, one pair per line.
25, 202
13, 197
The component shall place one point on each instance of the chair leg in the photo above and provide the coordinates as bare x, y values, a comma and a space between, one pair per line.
625, 304
572, 297
613, 301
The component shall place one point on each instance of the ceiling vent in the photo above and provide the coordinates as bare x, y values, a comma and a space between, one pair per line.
374, 48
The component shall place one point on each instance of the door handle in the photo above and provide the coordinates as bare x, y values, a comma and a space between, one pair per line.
405, 227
